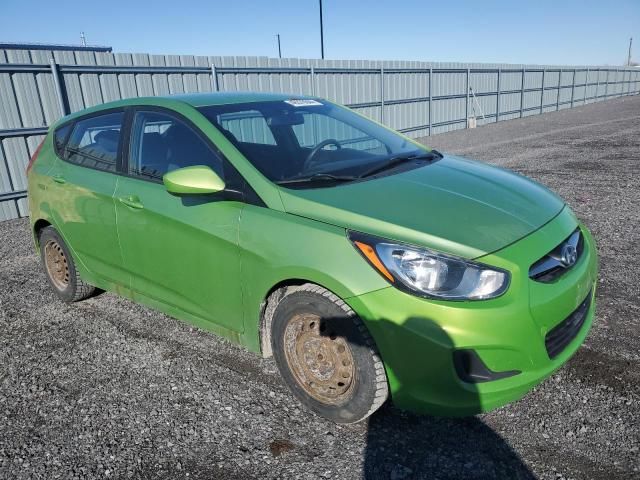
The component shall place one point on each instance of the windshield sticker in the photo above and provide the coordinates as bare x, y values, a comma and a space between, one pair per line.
303, 102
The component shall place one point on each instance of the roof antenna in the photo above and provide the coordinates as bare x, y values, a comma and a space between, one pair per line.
83, 39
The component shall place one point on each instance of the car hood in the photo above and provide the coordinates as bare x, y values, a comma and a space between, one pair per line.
453, 205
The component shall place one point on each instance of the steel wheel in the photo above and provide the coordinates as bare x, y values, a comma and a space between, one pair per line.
321, 362
56, 264
59, 265
325, 354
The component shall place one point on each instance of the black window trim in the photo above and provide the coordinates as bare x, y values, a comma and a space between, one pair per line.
88, 116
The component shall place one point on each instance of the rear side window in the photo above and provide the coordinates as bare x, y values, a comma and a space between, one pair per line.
60, 137
161, 143
94, 142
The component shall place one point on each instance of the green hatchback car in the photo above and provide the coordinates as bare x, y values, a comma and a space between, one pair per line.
368, 265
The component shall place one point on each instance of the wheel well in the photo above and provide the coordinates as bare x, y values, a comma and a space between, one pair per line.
38, 227
268, 306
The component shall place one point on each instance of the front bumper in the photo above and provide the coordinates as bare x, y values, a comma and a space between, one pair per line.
417, 337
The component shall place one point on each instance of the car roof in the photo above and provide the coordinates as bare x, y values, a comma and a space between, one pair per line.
192, 99
222, 98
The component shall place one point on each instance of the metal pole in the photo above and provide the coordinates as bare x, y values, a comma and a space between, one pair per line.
279, 49
382, 94
214, 79
498, 97
597, 95
321, 34
466, 109
628, 81
586, 86
542, 93
58, 84
312, 79
559, 84
573, 86
522, 93
606, 88
430, 98
629, 56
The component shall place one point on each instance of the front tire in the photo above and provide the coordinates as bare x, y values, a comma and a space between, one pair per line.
60, 268
326, 355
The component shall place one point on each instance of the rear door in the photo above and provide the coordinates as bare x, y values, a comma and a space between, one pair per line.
180, 250
81, 195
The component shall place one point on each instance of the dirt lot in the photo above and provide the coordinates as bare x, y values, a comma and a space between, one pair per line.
108, 389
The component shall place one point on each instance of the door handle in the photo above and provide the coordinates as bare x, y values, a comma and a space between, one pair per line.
59, 179
131, 201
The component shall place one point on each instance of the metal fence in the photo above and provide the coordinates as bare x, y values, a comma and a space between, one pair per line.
37, 87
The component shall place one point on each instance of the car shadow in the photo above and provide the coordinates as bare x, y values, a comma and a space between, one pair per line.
401, 445
404, 445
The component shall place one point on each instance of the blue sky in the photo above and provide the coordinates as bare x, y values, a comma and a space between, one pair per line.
541, 31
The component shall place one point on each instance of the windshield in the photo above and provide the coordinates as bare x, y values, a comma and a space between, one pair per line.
302, 138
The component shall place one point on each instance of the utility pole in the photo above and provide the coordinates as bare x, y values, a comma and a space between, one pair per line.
279, 50
321, 34
83, 39
629, 56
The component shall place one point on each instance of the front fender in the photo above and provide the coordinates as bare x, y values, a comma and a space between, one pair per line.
277, 247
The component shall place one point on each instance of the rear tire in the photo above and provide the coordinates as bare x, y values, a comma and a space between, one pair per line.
61, 269
326, 355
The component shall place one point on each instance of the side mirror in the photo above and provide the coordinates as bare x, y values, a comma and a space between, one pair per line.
198, 179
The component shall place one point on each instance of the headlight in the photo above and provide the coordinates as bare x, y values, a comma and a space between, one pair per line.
431, 274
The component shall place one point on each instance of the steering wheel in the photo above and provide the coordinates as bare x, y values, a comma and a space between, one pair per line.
329, 141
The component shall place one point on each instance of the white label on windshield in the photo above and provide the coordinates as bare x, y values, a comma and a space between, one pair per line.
303, 102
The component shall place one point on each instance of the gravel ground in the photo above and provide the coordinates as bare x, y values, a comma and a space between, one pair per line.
109, 389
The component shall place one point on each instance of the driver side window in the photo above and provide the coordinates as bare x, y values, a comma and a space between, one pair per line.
318, 128
161, 143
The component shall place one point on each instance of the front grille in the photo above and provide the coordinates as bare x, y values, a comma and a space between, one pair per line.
561, 335
553, 265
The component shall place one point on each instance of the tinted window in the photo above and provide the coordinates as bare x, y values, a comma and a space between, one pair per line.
94, 141
60, 137
161, 143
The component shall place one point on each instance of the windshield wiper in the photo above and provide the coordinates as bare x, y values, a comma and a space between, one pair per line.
319, 177
392, 162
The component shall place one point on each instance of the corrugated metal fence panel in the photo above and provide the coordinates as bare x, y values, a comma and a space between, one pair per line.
394, 92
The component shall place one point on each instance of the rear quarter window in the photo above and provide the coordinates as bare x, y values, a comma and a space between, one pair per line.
60, 138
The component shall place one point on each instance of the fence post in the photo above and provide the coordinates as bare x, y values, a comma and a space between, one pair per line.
597, 95
627, 82
58, 84
430, 97
573, 86
586, 86
524, 72
466, 109
382, 94
542, 92
214, 79
606, 88
312, 80
498, 97
559, 84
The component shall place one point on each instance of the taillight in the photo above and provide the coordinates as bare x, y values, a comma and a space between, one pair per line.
34, 156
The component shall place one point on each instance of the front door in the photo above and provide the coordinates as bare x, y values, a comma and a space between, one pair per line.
181, 251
